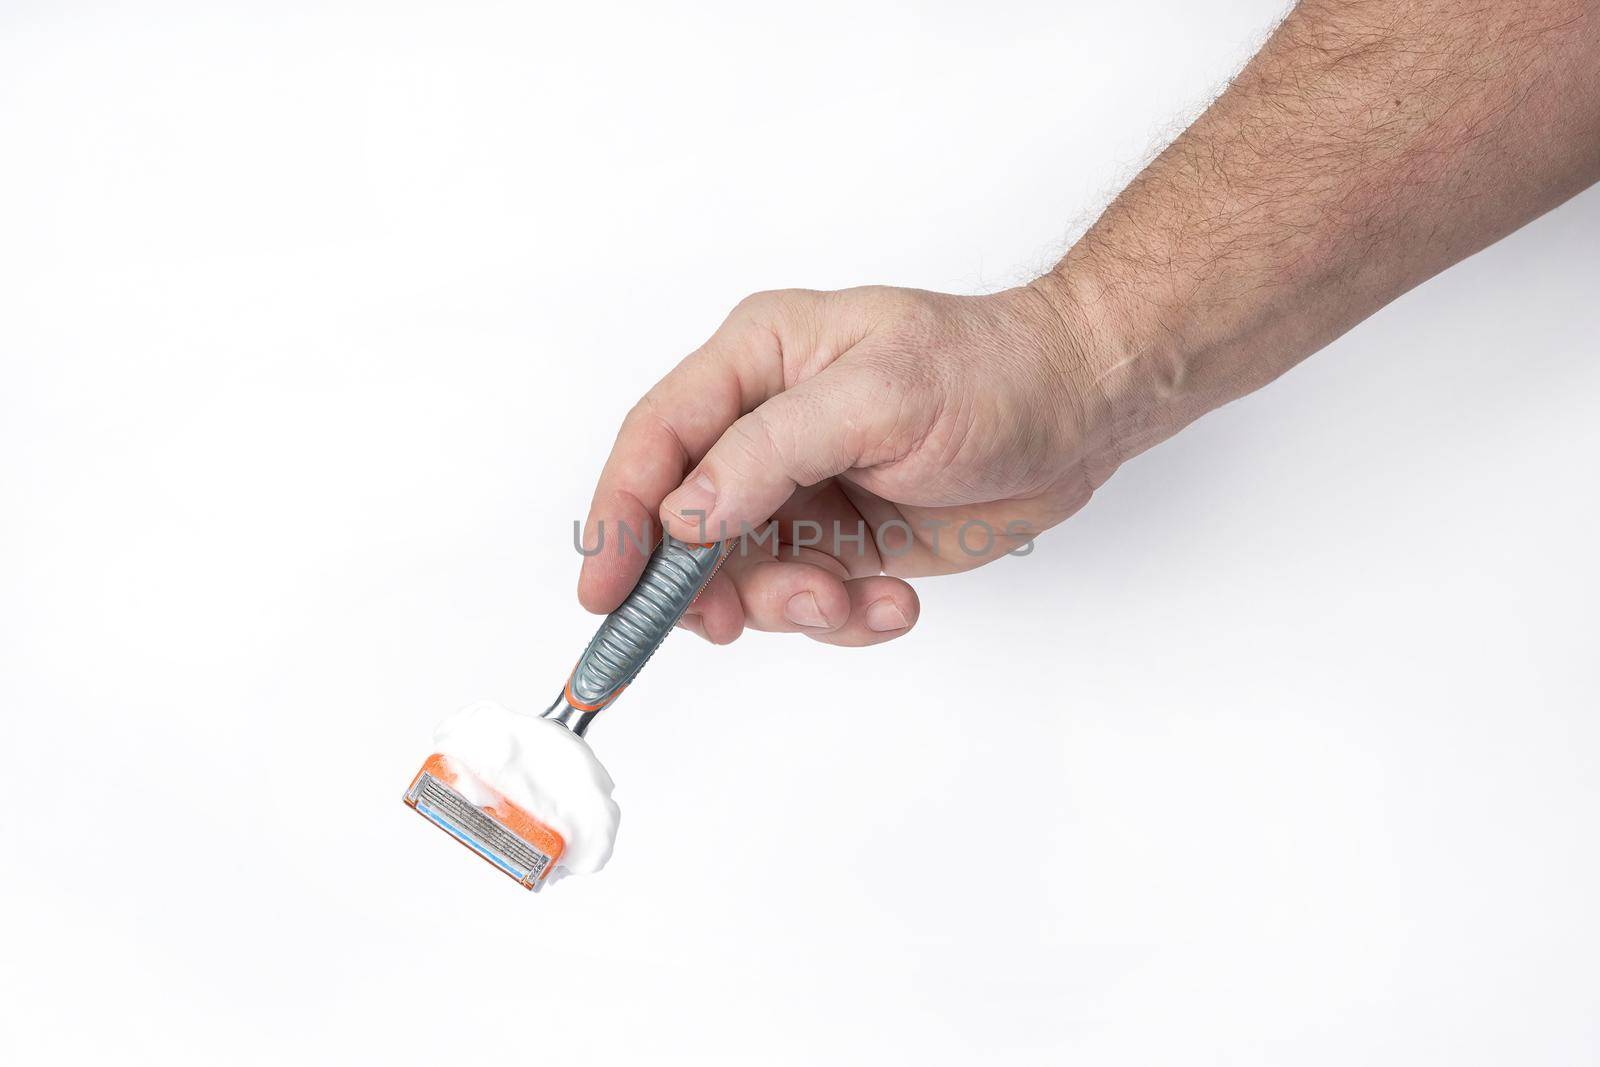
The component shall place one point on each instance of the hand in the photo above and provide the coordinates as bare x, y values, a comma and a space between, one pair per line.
891, 433
1365, 148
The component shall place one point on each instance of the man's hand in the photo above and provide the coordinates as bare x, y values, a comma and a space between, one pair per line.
890, 433
1367, 146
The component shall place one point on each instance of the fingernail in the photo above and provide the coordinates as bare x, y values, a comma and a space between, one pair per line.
802, 610
884, 616
698, 494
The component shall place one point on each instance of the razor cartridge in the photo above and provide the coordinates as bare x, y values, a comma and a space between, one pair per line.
511, 838
495, 828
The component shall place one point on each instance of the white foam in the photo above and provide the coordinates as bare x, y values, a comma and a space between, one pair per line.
540, 766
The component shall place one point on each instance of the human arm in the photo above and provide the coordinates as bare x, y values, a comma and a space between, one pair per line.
1367, 146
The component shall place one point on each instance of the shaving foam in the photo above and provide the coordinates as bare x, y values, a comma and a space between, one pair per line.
542, 767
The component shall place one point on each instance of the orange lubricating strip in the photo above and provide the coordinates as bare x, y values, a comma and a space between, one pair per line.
518, 820
581, 706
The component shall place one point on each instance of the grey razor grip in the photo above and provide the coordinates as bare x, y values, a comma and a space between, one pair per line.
673, 577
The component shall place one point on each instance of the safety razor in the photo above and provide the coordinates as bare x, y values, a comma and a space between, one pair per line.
515, 840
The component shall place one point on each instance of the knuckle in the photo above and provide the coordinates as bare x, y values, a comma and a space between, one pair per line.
641, 409
645, 412
636, 417
646, 417
771, 307
754, 444
756, 305
919, 320
764, 443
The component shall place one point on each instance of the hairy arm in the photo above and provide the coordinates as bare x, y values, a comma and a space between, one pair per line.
1369, 145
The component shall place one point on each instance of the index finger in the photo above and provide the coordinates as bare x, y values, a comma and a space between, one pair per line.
666, 434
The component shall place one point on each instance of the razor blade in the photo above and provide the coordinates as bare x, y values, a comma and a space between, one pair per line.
496, 829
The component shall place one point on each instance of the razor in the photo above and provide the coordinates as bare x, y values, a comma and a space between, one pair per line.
513, 839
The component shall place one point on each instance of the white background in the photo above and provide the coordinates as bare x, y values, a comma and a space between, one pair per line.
316, 321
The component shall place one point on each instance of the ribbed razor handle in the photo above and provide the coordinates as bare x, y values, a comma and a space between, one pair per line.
672, 579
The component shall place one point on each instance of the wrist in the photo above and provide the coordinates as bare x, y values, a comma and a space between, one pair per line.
1101, 353
1151, 363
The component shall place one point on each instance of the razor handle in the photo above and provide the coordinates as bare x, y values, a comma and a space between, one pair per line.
629, 636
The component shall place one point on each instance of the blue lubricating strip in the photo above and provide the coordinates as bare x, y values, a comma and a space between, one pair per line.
440, 820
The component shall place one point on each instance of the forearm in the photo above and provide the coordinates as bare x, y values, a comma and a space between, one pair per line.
1368, 146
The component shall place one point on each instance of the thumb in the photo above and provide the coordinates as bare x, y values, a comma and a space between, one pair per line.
798, 437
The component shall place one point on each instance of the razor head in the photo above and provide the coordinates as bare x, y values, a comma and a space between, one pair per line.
475, 814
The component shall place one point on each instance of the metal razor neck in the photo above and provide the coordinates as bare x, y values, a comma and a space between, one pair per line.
575, 719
